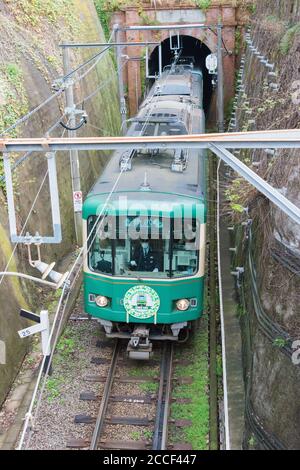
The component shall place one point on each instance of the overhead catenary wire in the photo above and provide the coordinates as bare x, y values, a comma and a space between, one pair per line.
29, 418
24, 119
51, 129
28, 154
64, 78
31, 113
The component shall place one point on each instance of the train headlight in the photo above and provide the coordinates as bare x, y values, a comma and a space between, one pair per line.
182, 304
101, 301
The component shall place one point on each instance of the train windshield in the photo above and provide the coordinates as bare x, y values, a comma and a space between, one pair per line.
143, 247
160, 128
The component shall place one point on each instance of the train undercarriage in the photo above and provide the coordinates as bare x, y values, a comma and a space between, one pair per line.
140, 336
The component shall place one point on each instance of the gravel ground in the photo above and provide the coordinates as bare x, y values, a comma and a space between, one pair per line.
72, 364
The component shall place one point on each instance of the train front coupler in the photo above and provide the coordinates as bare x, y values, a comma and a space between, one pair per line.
139, 346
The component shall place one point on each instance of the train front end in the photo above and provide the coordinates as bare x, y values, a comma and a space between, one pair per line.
144, 266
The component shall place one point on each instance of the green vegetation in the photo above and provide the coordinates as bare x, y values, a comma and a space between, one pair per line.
198, 410
53, 388
288, 39
234, 196
32, 11
241, 311
146, 18
135, 435
252, 442
143, 370
104, 14
66, 347
147, 434
238, 40
279, 342
149, 387
252, 7
14, 101
203, 4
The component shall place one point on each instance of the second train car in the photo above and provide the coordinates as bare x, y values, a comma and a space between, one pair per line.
145, 241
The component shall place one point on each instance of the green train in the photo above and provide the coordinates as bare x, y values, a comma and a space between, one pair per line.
144, 224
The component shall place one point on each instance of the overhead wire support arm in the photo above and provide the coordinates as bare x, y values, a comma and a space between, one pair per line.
260, 139
265, 188
29, 278
56, 221
218, 143
112, 44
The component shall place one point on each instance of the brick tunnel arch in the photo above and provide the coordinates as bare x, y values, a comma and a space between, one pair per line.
191, 46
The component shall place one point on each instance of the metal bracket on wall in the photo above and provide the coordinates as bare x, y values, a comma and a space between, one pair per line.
159, 62
54, 199
175, 42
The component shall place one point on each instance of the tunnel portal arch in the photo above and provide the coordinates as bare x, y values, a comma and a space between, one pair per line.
191, 47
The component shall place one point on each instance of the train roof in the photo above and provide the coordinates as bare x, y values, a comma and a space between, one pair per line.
179, 82
153, 171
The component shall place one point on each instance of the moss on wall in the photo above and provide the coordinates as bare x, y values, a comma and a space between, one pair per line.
275, 32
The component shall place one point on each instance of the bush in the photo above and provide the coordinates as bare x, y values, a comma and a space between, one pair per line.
288, 39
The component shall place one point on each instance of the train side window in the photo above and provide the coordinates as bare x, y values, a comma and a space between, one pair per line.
100, 257
185, 251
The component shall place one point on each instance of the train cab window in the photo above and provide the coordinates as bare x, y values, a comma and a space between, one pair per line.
163, 251
140, 249
163, 128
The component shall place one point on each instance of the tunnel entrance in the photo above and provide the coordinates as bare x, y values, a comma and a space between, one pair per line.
190, 47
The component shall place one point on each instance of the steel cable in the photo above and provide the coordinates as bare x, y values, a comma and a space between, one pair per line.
77, 263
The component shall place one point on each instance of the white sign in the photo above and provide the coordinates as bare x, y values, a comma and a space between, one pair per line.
77, 200
2, 352
42, 327
211, 63
31, 330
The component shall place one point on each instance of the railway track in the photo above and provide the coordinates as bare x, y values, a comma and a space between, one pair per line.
105, 399
157, 424
164, 398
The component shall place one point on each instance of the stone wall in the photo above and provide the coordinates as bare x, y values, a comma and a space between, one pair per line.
275, 380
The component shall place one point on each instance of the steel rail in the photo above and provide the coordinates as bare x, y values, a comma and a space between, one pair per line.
262, 139
105, 399
164, 439
160, 436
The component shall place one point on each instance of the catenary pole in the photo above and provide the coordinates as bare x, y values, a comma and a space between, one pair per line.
74, 160
220, 100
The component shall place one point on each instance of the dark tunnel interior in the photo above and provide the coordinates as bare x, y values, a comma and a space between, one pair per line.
191, 47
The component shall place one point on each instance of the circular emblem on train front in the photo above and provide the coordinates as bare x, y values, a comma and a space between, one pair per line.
141, 302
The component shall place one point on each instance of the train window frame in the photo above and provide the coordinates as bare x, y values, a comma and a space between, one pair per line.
177, 244
91, 240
